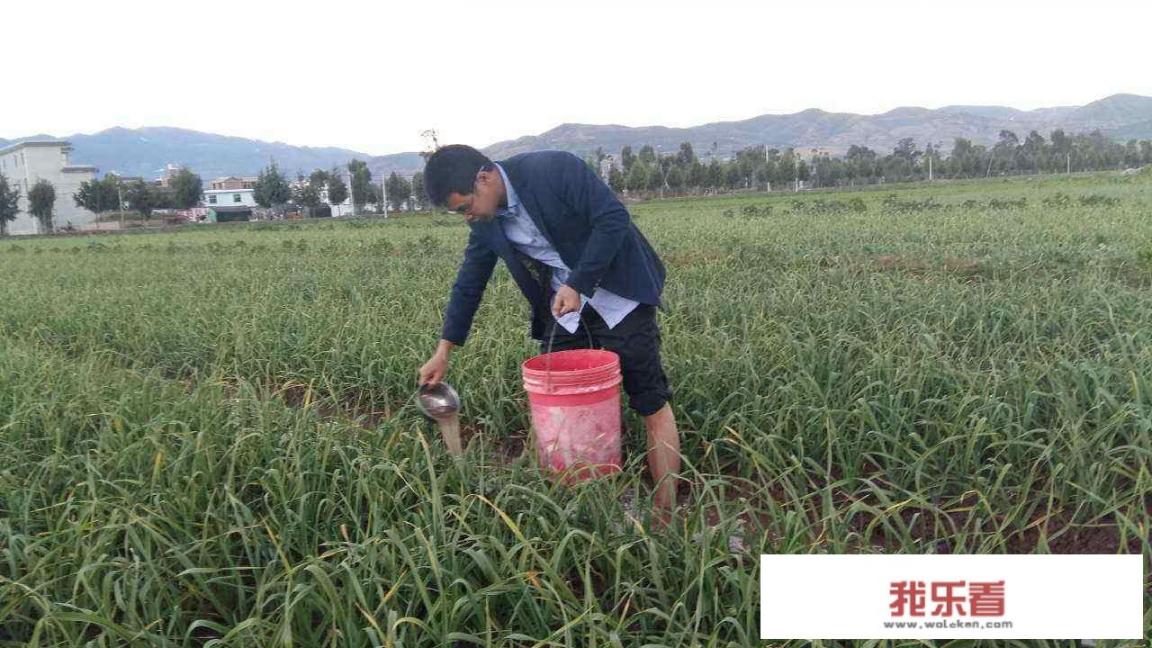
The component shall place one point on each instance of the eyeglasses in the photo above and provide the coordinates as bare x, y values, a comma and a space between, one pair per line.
464, 208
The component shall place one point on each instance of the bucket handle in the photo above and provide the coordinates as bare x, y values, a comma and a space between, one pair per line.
552, 338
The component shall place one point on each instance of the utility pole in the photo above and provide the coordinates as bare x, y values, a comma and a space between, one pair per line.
383, 195
351, 193
767, 176
1069, 160
120, 206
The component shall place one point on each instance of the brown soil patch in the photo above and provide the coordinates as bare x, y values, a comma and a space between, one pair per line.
890, 262
695, 258
936, 527
353, 408
961, 266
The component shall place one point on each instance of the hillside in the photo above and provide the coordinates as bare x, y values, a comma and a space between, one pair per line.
1121, 116
145, 151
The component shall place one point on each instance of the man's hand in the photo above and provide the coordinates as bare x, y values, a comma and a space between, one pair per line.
433, 371
567, 301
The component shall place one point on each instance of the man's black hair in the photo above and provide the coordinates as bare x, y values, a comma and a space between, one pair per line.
452, 168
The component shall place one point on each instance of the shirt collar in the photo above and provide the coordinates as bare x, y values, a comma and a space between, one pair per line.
513, 200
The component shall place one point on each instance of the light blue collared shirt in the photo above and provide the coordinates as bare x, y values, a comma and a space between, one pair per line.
523, 234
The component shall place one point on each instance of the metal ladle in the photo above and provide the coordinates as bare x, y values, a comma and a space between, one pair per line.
437, 402
441, 404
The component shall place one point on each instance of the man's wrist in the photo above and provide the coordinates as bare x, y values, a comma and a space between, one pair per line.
581, 284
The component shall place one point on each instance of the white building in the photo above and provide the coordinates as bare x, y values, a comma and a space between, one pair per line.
229, 198
28, 162
231, 191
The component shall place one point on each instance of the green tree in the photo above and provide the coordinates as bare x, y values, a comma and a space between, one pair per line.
337, 189
186, 188
637, 177
306, 193
271, 190
715, 174
419, 193
9, 203
141, 198
399, 190
41, 201
1034, 150
802, 171
697, 176
627, 159
361, 183
655, 179
98, 196
785, 171
906, 150
685, 157
616, 179
376, 197
319, 179
964, 161
1004, 153
675, 179
734, 178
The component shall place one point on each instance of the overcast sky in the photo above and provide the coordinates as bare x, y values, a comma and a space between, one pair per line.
370, 76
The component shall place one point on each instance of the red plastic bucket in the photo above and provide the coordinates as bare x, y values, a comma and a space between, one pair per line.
575, 401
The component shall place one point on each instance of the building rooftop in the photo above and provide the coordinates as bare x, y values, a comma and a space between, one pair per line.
31, 143
242, 178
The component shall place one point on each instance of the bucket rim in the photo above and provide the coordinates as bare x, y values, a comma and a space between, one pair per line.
611, 361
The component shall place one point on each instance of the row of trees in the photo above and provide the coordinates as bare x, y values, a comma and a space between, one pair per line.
760, 168
756, 168
113, 193
41, 203
185, 189
274, 191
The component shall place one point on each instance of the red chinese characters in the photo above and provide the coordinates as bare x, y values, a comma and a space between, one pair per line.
909, 598
949, 598
986, 599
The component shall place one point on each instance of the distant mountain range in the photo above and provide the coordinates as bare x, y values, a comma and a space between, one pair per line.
145, 151
1120, 116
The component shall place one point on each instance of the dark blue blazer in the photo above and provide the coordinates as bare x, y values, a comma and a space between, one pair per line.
582, 218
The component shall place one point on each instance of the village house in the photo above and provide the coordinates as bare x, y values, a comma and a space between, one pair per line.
28, 162
231, 198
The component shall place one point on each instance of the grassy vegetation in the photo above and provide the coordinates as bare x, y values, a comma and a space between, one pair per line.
208, 435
